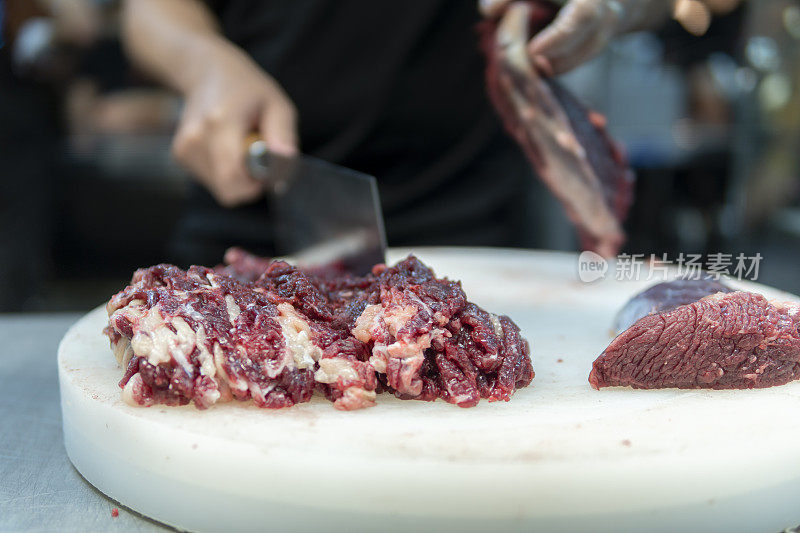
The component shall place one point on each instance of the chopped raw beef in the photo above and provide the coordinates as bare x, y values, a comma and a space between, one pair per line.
728, 340
243, 265
568, 145
664, 297
202, 336
427, 341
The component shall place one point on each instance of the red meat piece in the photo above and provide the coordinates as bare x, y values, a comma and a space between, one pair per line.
568, 146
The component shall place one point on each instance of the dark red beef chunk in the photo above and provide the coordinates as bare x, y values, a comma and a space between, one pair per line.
242, 265
664, 297
286, 283
427, 341
733, 340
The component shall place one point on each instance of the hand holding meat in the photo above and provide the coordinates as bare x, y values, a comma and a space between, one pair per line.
568, 146
584, 27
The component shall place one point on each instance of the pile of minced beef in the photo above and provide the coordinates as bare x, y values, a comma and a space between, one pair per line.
263, 330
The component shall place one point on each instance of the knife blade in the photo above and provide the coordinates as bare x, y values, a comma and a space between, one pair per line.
322, 213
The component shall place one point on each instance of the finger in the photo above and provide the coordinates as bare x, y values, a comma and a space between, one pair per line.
694, 16
231, 183
587, 49
543, 66
190, 150
562, 59
575, 23
492, 8
278, 127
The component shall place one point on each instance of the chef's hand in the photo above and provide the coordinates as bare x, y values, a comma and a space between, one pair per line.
231, 98
583, 28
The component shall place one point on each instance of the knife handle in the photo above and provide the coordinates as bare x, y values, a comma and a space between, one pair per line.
272, 170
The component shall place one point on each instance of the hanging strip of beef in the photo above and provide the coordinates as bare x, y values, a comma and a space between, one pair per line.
567, 144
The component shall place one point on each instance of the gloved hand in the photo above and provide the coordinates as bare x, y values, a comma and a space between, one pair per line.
583, 28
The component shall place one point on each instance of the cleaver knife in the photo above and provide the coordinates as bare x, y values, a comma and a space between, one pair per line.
322, 213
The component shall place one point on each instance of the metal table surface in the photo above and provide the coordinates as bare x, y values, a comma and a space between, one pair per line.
39, 488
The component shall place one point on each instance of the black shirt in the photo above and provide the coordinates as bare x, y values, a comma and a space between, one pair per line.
394, 89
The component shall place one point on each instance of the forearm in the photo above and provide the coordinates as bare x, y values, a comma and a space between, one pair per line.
174, 40
227, 95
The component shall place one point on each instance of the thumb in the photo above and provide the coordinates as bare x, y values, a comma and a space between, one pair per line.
278, 127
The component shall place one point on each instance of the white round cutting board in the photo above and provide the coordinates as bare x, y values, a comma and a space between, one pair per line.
559, 456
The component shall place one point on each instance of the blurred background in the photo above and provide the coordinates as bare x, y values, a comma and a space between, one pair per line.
89, 191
